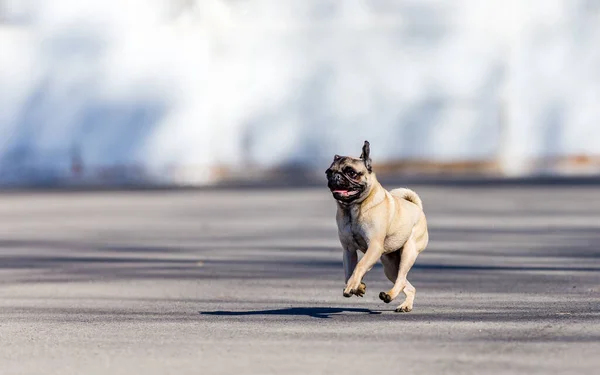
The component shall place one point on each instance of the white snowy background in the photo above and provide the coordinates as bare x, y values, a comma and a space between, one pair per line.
188, 85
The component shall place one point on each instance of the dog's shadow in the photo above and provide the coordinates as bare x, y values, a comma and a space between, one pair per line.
313, 312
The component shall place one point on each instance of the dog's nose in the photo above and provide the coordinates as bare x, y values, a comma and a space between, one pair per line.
338, 178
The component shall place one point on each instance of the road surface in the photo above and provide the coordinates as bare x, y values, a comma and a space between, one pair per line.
249, 281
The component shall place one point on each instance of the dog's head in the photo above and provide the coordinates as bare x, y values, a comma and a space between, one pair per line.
349, 178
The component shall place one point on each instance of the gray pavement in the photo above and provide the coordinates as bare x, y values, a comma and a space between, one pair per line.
250, 282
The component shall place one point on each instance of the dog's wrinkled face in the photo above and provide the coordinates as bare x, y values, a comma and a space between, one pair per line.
348, 178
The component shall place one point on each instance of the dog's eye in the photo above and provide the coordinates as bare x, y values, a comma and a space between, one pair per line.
351, 172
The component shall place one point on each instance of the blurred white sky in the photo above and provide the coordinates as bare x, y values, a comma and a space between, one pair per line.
199, 83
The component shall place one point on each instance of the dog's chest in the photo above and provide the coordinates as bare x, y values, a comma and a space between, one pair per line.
352, 234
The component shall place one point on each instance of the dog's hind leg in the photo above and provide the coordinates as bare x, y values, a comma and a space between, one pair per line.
408, 257
410, 293
391, 265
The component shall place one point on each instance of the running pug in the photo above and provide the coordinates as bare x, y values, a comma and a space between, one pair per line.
386, 225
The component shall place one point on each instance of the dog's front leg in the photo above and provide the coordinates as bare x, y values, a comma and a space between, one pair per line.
354, 284
350, 261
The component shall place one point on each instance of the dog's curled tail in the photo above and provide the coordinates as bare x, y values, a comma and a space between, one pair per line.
409, 195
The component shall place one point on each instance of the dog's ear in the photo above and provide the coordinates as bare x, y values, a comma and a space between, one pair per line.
366, 155
336, 158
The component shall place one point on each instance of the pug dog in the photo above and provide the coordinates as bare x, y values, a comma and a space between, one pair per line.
386, 225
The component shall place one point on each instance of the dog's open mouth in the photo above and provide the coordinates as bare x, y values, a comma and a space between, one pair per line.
344, 193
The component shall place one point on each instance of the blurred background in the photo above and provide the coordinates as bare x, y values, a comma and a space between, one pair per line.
193, 92
466, 101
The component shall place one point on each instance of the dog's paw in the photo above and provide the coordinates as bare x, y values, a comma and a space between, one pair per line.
385, 297
404, 308
360, 292
362, 289
352, 287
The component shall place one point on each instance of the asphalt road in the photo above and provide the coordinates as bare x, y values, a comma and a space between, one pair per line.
250, 282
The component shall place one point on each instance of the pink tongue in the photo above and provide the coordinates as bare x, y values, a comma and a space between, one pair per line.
342, 192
